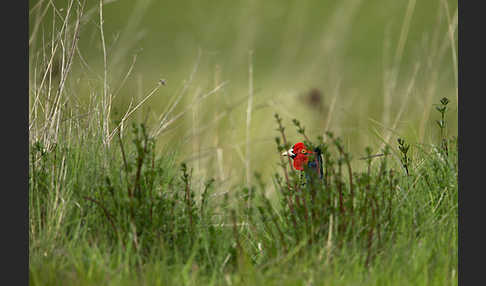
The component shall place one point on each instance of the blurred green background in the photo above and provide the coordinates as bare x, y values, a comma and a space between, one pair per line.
370, 71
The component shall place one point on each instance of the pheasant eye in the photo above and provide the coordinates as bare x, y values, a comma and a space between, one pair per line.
303, 151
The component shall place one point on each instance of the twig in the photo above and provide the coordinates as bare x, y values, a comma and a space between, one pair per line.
107, 214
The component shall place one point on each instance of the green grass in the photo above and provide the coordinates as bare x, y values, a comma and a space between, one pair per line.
125, 215
181, 183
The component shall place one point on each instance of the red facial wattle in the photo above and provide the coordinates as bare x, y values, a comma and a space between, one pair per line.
301, 156
300, 161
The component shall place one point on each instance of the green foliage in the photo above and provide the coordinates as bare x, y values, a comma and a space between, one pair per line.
403, 147
345, 208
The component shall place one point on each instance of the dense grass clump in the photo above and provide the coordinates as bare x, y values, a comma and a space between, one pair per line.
134, 215
366, 210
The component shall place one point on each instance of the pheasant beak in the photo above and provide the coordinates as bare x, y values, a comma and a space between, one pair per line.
289, 153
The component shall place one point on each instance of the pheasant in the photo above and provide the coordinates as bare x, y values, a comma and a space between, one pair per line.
306, 160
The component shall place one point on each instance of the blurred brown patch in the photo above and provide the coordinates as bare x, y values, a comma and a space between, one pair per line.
314, 99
